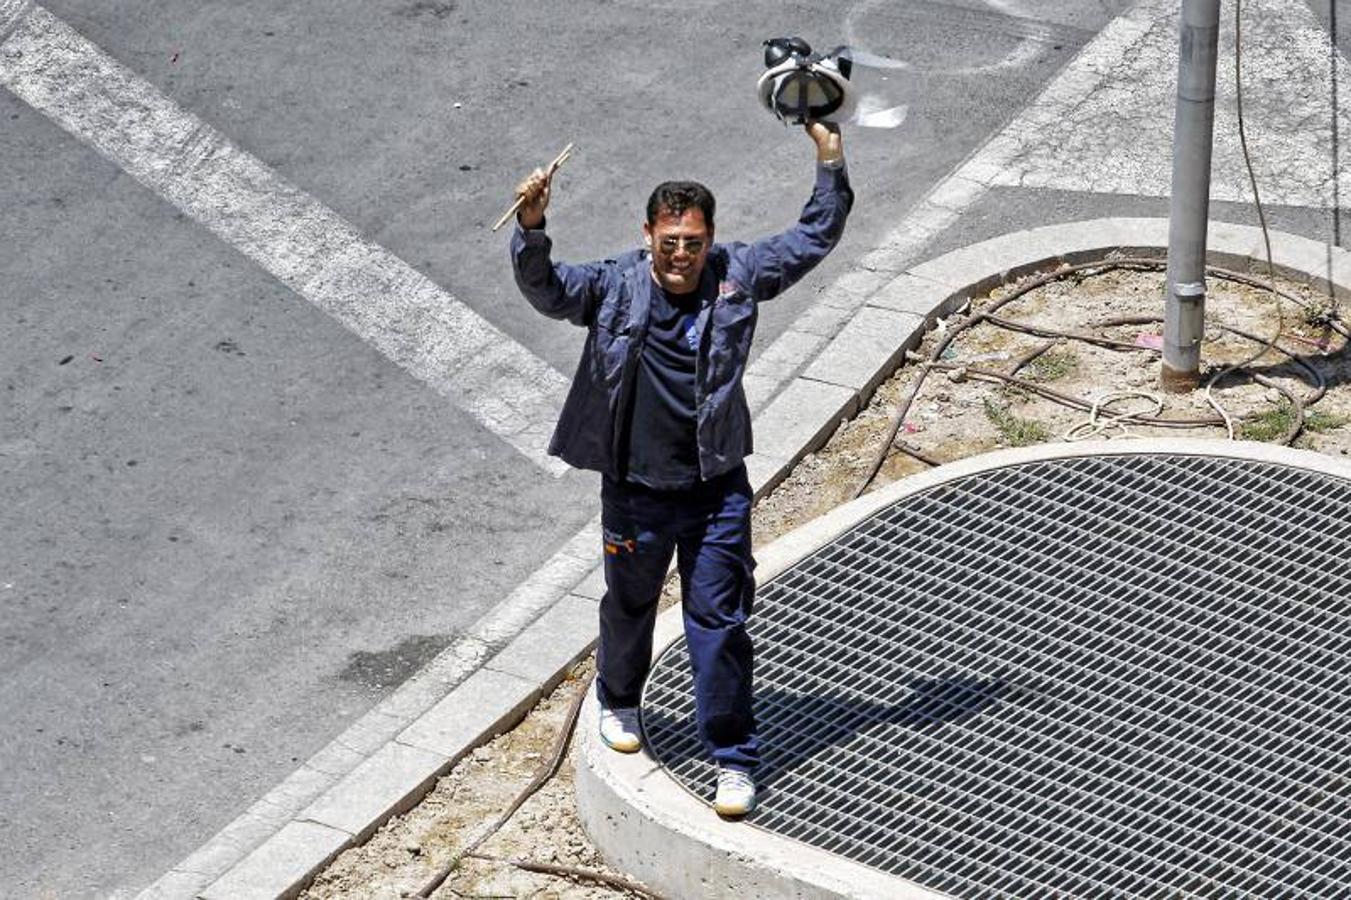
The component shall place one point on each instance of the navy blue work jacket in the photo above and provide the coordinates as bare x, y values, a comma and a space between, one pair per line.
611, 298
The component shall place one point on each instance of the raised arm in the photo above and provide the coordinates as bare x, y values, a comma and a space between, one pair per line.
776, 263
558, 290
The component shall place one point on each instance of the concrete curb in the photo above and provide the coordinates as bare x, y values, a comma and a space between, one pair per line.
485, 683
646, 824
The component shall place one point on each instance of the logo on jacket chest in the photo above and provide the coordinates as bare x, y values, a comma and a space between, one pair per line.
689, 330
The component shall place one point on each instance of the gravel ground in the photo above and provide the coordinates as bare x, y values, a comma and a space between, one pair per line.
957, 413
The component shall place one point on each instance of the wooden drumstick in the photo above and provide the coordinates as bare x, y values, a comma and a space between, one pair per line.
520, 200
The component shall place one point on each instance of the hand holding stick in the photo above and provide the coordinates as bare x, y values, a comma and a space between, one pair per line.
525, 191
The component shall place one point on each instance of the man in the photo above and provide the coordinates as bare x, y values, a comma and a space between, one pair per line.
658, 409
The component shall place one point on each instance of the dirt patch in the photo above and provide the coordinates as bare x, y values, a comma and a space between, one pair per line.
957, 412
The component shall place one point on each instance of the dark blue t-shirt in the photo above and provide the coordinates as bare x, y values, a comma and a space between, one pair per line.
663, 451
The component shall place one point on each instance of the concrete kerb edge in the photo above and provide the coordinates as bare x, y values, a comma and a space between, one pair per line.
966, 273
639, 818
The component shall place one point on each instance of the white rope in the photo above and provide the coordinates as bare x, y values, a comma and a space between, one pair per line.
1101, 418
1215, 404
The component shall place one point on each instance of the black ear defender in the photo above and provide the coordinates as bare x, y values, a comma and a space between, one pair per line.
779, 49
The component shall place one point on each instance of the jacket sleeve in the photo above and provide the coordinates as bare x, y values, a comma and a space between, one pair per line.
559, 290
775, 263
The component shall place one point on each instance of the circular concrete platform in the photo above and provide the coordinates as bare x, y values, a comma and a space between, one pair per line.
1087, 675
1097, 669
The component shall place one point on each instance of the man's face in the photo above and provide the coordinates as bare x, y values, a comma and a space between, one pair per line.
679, 248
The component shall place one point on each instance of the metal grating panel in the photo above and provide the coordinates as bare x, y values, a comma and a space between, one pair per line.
1092, 677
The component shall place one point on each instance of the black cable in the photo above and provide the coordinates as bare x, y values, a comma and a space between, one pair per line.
1243, 135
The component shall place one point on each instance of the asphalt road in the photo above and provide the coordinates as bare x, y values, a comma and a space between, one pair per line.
230, 524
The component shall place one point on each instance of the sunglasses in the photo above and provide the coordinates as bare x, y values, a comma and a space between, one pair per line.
693, 246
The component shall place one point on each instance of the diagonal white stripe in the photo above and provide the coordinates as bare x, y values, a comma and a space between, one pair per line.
11, 13
305, 245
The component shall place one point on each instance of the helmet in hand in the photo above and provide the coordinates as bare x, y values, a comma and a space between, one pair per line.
799, 86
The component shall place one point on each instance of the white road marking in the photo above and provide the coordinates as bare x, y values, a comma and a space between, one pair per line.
1026, 51
11, 13
305, 245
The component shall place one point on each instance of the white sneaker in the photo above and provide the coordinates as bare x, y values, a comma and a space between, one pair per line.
736, 793
619, 728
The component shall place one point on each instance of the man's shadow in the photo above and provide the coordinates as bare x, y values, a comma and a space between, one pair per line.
797, 729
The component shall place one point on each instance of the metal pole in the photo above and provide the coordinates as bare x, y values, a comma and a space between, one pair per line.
1193, 127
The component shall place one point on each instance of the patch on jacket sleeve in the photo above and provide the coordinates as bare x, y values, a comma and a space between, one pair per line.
728, 287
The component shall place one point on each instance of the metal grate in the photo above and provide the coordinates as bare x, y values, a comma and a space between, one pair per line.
1101, 676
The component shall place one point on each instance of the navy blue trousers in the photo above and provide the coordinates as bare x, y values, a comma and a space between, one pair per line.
708, 527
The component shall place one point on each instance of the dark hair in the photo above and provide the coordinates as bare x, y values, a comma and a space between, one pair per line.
678, 196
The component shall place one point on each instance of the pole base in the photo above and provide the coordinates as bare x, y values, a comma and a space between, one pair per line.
1178, 381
